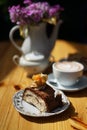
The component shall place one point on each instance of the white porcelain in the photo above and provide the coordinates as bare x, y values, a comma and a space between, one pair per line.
34, 56
68, 72
36, 39
32, 67
29, 110
82, 84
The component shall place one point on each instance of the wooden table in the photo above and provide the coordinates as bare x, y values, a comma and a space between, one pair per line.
13, 78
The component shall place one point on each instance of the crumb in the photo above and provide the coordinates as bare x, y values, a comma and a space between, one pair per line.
2, 83
17, 87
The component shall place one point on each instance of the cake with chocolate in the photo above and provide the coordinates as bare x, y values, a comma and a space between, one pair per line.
41, 95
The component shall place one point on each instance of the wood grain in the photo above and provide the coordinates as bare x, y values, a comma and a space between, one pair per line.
13, 78
77, 123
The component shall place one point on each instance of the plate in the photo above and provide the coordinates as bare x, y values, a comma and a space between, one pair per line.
82, 84
27, 109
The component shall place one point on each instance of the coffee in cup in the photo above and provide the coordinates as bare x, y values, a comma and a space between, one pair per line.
67, 73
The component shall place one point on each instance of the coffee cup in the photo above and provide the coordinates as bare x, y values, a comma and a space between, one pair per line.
67, 73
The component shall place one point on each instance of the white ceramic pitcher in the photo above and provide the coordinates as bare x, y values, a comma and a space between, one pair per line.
37, 39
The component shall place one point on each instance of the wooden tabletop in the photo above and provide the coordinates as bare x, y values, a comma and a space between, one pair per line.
13, 78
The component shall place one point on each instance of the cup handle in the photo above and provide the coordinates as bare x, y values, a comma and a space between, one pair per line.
16, 59
11, 34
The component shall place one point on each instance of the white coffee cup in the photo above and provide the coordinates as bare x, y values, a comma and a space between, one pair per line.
67, 73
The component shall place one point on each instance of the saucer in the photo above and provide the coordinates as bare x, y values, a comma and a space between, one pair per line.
82, 84
31, 67
20, 60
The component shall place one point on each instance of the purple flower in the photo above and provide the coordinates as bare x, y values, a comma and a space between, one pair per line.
44, 6
53, 11
27, 2
33, 12
36, 15
14, 13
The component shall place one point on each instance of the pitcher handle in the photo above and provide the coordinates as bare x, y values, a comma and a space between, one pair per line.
11, 34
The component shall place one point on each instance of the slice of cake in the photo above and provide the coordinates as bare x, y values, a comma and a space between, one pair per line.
42, 97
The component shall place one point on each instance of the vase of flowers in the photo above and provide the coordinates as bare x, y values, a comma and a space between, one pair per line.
32, 20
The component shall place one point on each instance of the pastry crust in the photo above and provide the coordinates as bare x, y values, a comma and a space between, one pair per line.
41, 95
43, 99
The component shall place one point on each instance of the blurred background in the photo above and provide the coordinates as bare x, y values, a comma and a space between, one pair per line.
74, 16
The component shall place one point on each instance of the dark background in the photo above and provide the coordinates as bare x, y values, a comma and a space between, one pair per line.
74, 16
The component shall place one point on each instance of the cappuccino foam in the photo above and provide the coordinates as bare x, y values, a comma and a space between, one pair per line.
69, 66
